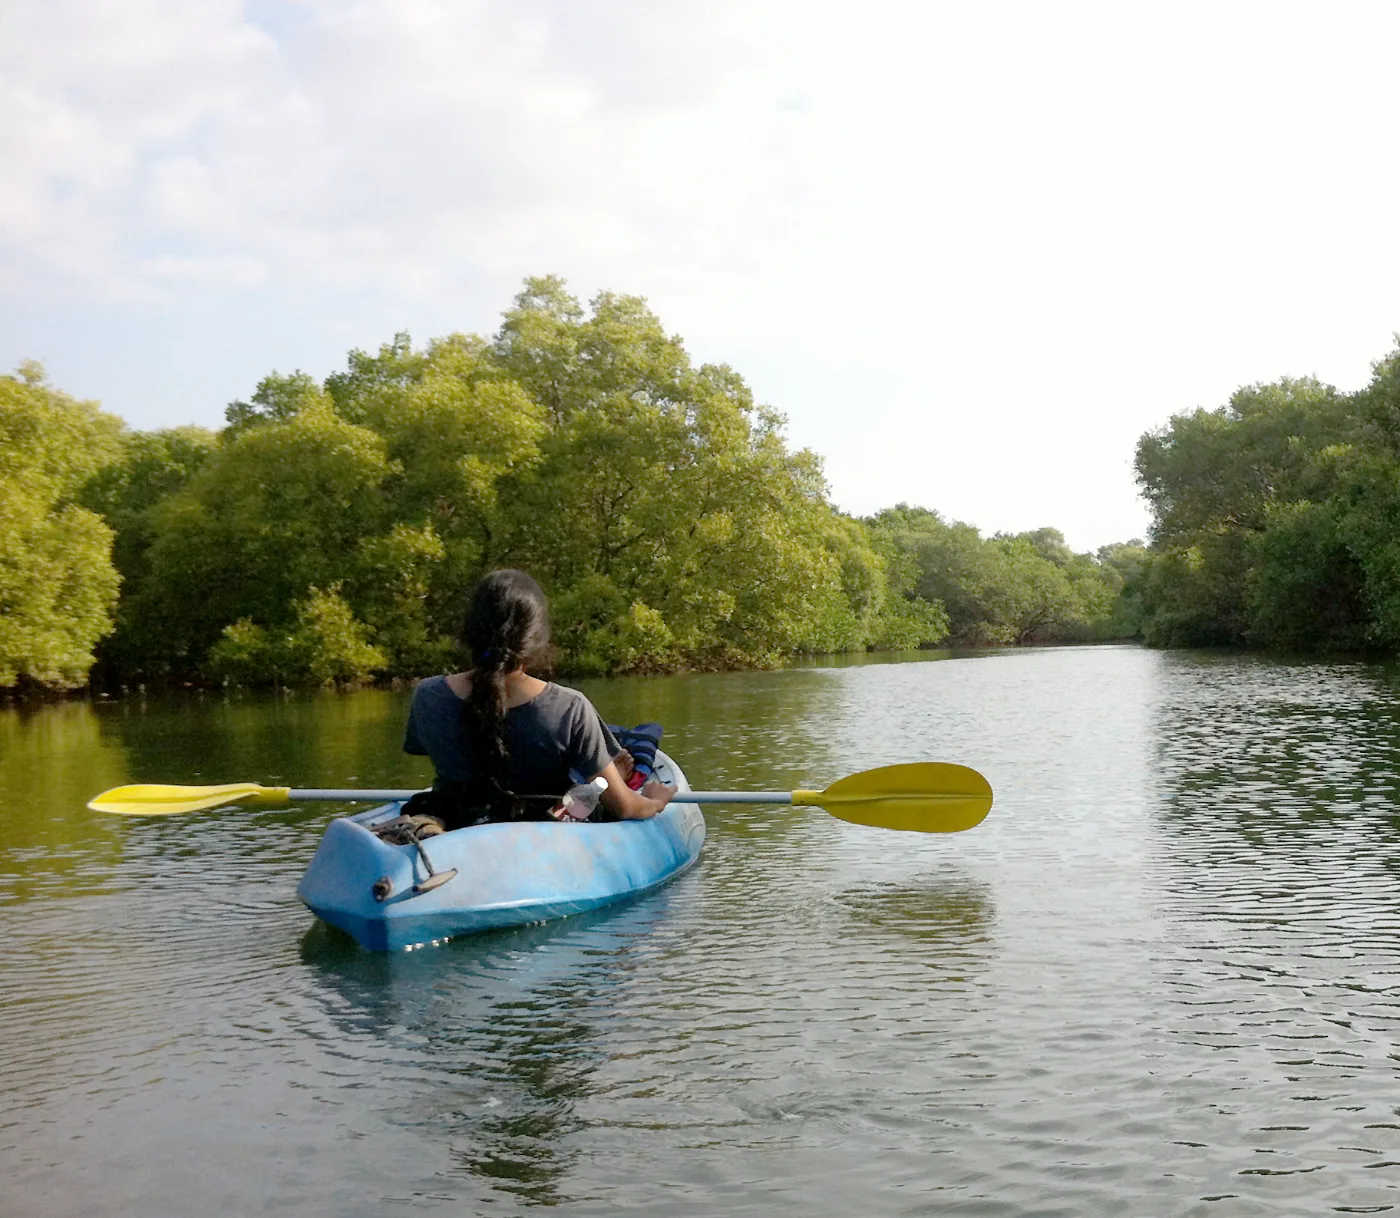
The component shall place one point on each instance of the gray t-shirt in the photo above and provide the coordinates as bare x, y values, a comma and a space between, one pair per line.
555, 740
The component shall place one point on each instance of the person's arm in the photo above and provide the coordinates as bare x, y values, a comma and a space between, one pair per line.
627, 804
593, 742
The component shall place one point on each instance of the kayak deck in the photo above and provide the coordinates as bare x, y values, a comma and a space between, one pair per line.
510, 874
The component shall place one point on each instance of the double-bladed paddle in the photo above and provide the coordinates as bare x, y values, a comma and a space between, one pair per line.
925, 796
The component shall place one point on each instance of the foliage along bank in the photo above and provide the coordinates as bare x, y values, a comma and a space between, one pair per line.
1276, 519
331, 531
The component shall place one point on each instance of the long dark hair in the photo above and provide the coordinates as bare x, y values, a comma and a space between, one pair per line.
507, 627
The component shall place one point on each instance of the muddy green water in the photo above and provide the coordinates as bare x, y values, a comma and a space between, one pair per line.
1162, 978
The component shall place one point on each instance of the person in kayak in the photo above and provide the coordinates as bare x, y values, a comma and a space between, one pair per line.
504, 743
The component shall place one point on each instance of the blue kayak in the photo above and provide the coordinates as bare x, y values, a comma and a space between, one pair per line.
391, 896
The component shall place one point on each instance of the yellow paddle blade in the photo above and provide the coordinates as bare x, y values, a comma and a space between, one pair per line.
148, 799
925, 797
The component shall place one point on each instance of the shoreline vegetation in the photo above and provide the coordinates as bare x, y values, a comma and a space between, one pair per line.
329, 532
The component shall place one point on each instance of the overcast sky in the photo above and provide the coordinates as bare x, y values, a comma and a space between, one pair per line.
971, 250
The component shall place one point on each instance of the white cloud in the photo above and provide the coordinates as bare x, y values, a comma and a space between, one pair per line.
232, 270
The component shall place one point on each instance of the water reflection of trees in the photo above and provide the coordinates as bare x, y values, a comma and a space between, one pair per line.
321, 739
737, 730
1260, 751
948, 909
53, 759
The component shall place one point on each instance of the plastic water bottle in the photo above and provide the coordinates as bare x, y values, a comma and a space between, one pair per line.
581, 800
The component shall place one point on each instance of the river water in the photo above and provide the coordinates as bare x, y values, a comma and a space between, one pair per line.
1163, 976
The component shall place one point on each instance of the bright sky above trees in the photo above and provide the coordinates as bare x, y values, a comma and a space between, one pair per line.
972, 251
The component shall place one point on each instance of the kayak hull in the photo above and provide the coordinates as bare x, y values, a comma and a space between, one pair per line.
506, 874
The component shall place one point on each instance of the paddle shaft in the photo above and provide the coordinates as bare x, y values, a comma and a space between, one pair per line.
313, 794
358, 795
739, 797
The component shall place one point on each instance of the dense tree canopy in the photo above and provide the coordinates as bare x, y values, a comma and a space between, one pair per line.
57, 582
331, 532
1009, 588
1276, 519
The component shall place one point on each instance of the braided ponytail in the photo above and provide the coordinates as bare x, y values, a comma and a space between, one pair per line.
507, 627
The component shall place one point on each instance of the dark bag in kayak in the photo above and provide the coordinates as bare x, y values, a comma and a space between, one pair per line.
460, 805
